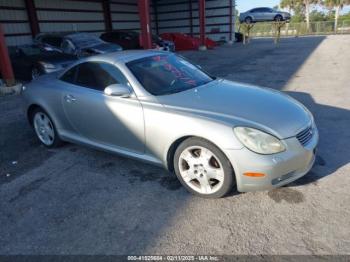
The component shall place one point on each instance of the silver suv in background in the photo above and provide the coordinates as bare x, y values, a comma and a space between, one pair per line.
263, 14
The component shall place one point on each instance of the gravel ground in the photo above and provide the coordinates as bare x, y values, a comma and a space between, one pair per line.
75, 200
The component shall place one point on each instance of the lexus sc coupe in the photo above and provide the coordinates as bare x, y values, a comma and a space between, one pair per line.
214, 134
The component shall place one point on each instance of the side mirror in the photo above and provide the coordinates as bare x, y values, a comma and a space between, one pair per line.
119, 90
48, 48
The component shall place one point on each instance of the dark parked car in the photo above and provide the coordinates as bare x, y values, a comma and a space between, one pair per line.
131, 40
30, 61
79, 44
262, 14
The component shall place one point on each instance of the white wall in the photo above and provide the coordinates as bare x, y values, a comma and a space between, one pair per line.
61, 15
70, 15
178, 12
65, 15
125, 16
15, 22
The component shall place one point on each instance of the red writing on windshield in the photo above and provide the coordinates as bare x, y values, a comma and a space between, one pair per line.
179, 74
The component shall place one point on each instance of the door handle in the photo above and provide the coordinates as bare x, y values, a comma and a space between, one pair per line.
69, 98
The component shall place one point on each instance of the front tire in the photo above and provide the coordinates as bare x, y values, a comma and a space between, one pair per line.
45, 129
248, 20
203, 169
278, 18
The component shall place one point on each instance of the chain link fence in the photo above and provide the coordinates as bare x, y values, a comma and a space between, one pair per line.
299, 29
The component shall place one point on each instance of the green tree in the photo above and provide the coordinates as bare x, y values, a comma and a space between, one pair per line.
291, 5
338, 6
317, 16
344, 16
307, 5
303, 6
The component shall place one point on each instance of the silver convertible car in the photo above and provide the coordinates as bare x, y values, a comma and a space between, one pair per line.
151, 105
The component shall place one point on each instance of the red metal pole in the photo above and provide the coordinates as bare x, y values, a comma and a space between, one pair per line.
5, 62
146, 40
230, 15
32, 17
107, 15
202, 21
155, 12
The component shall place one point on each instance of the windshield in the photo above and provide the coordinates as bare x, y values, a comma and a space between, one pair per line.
167, 74
84, 40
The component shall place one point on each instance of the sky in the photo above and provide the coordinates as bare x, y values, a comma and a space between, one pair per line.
245, 5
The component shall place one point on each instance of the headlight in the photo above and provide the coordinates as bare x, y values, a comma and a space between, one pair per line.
47, 65
258, 141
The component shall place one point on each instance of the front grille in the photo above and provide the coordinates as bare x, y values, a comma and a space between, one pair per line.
305, 136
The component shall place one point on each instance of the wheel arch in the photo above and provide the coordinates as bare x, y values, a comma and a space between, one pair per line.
278, 15
30, 112
171, 150
249, 16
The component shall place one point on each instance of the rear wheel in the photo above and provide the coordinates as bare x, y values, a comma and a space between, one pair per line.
278, 18
45, 129
203, 169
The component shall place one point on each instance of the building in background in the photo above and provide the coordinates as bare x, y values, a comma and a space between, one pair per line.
22, 19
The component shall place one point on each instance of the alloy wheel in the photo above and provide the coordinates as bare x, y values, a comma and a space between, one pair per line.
201, 170
44, 128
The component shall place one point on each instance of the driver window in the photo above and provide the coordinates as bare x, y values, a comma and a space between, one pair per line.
99, 75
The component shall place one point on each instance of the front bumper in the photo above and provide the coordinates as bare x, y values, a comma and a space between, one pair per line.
279, 169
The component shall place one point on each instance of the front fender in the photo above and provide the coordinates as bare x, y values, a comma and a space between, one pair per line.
163, 127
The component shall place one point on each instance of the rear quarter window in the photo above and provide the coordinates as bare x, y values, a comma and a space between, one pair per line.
70, 75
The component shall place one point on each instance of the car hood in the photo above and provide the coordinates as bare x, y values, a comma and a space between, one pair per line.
241, 104
103, 48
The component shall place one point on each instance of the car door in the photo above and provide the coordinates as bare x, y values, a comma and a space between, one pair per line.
267, 14
260, 14
110, 120
257, 14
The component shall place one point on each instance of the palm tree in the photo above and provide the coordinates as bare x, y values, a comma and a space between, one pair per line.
289, 4
338, 6
306, 4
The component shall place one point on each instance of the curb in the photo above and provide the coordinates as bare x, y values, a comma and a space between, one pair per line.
10, 90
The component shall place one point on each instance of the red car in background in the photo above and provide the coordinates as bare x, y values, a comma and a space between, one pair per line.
186, 42
129, 39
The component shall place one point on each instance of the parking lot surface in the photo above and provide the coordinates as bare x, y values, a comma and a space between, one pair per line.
75, 200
